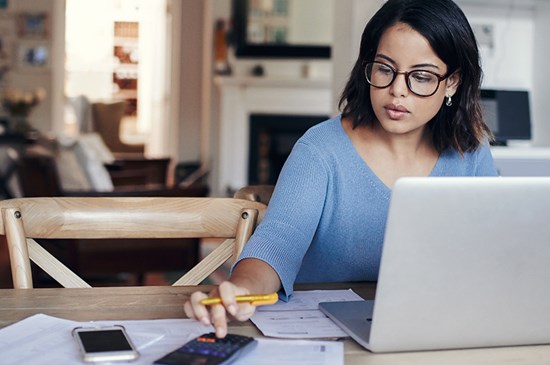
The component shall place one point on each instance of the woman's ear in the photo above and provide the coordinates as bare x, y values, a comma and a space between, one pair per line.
452, 83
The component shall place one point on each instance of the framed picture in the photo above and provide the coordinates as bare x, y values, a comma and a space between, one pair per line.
33, 56
33, 25
4, 4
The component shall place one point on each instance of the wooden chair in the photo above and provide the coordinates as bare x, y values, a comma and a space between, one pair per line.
255, 193
22, 220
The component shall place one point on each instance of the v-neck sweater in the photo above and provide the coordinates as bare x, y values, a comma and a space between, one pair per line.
326, 219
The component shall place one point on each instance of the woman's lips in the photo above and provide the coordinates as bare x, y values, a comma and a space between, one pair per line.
396, 111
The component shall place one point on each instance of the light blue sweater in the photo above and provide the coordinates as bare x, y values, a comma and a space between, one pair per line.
326, 219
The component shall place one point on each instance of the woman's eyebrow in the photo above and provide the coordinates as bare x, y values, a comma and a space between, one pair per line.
419, 65
429, 65
380, 55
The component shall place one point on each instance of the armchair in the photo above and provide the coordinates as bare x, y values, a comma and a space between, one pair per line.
107, 118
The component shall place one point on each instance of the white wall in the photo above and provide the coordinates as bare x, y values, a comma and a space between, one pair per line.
351, 16
191, 69
508, 64
541, 73
90, 66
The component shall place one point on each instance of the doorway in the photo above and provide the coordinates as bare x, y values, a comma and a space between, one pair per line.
118, 50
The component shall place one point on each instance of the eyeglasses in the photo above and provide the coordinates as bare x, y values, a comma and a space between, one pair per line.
419, 82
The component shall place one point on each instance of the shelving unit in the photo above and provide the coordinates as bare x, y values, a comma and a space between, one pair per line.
125, 73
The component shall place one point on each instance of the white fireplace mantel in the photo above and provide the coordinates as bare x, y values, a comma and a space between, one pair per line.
242, 96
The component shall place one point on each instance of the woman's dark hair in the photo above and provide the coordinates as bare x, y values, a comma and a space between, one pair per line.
446, 28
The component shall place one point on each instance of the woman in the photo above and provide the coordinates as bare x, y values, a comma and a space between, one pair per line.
410, 108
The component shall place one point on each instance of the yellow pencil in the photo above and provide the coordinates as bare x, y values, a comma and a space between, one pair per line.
254, 299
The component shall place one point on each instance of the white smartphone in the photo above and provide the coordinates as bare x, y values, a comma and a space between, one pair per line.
105, 344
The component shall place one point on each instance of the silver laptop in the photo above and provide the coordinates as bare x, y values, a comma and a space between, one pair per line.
465, 263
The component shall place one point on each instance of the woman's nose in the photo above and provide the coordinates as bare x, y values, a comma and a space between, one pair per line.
399, 85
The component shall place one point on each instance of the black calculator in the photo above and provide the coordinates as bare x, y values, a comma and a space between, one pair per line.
209, 350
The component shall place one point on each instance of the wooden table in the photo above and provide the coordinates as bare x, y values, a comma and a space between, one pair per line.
167, 302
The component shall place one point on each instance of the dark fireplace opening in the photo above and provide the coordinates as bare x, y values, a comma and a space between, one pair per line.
271, 140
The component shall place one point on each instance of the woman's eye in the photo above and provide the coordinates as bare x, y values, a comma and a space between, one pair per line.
385, 70
423, 77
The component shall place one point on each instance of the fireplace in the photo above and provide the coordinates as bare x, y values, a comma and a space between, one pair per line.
290, 106
271, 140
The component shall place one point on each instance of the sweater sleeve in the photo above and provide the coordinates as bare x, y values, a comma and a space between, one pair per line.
292, 217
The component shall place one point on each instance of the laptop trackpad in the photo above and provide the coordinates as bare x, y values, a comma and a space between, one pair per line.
354, 317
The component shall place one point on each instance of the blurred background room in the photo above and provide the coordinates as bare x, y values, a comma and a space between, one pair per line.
202, 98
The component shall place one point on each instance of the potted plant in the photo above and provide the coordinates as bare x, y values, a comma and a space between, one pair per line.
19, 105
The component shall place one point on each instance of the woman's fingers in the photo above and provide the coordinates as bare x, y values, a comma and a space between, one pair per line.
194, 309
217, 314
227, 292
219, 320
242, 311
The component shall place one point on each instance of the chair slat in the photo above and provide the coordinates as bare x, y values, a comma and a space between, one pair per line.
61, 273
203, 269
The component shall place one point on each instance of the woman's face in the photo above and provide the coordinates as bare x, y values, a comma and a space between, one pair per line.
398, 110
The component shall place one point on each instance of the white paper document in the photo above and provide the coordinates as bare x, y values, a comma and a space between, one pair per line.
42, 339
300, 317
300, 352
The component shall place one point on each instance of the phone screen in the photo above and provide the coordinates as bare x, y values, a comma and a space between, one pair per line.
104, 341
105, 344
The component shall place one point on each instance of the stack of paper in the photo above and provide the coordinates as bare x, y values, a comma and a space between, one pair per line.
300, 317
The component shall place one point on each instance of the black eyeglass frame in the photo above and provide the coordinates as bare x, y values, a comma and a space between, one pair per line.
406, 73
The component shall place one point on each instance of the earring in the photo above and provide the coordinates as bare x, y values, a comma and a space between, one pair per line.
448, 100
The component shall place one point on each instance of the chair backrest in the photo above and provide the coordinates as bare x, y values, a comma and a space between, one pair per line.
256, 193
22, 220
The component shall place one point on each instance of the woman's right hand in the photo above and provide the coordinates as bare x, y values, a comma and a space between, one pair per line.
218, 314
